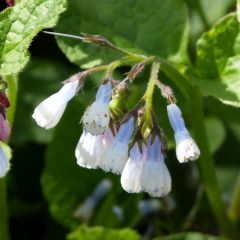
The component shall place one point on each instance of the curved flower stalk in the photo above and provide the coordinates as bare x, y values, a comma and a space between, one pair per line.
155, 178
186, 147
49, 112
97, 117
3, 163
115, 157
90, 148
131, 174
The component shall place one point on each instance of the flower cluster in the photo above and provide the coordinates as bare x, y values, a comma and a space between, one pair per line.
125, 142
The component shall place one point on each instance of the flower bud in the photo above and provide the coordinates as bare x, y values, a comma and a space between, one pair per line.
4, 101
118, 104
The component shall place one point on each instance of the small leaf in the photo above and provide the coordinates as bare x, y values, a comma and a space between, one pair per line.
18, 26
100, 233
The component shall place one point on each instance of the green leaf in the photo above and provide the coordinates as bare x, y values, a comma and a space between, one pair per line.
189, 236
40, 79
18, 26
99, 233
139, 25
216, 133
218, 59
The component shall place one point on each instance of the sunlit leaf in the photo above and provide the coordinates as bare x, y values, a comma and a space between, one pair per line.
18, 26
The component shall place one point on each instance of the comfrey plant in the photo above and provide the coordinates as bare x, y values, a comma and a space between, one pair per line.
116, 139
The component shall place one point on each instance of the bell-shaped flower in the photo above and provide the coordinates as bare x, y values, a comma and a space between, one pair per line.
186, 147
4, 128
155, 178
3, 163
116, 155
131, 174
91, 147
96, 117
49, 112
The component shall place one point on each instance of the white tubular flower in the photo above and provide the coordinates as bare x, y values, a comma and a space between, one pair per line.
3, 163
186, 147
130, 178
90, 148
115, 157
48, 113
155, 178
96, 118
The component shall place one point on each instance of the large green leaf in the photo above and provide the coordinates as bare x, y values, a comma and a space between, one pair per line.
218, 61
18, 26
155, 27
100, 233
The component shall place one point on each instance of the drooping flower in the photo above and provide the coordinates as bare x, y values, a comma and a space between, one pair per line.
3, 163
155, 178
96, 118
4, 128
91, 147
49, 112
131, 174
186, 147
116, 155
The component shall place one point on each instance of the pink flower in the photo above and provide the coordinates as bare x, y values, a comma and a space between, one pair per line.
4, 128
10, 2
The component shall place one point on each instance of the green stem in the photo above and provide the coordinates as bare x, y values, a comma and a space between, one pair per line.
12, 95
206, 164
147, 97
